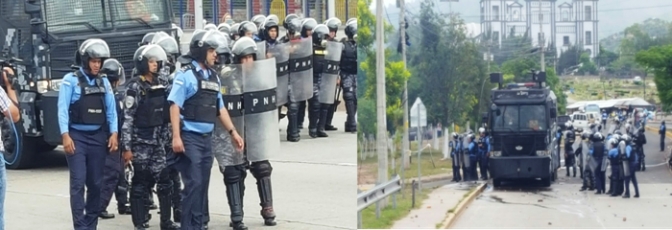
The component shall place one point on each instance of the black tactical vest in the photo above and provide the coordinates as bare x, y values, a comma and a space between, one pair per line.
318, 60
570, 137
119, 100
203, 106
90, 108
349, 58
598, 149
152, 106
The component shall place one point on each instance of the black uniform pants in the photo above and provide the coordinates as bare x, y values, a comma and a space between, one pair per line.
194, 166
632, 177
456, 167
113, 177
86, 167
600, 182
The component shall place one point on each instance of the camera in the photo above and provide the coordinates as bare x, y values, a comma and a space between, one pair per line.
7, 61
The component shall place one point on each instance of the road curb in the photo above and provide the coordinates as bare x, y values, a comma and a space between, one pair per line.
450, 219
668, 134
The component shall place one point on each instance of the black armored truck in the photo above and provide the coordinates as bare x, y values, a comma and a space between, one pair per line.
42, 37
521, 122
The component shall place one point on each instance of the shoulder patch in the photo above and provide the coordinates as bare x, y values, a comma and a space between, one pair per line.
178, 82
129, 101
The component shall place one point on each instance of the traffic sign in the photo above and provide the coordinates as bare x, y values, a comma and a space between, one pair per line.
418, 114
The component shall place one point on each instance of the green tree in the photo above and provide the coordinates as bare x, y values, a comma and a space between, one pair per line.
659, 61
395, 75
587, 67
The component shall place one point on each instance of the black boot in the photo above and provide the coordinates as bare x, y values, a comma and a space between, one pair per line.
124, 210
574, 172
330, 117
322, 120
351, 109
293, 134
567, 169
165, 207
233, 194
106, 215
266, 197
139, 213
313, 116
301, 115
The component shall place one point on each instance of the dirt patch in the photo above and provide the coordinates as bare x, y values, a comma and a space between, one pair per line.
367, 174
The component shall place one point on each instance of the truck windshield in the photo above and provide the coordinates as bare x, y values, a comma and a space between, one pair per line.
78, 15
515, 118
592, 108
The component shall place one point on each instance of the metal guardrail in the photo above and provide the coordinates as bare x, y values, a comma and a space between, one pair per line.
378, 193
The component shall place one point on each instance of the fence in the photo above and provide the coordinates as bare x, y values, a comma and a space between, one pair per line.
218, 11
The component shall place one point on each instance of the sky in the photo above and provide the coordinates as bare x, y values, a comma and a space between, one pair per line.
614, 15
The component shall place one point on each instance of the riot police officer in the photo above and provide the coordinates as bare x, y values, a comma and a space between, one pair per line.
169, 183
586, 162
144, 103
248, 29
483, 153
349, 75
86, 116
604, 118
570, 159
332, 24
640, 142
258, 21
307, 26
318, 110
196, 106
598, 153
292, 25
455, 147
662, 131
473, 158
616, 177
234, 33
630, 162
113, 176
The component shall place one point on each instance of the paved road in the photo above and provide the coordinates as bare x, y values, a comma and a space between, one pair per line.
314, 188
563, 206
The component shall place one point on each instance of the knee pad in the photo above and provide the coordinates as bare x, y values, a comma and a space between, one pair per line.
261, 169
165, 182
349, 96
294, 106
234, 174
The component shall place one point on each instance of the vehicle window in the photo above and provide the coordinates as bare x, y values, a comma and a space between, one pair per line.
521, 118
69, 15
129, 12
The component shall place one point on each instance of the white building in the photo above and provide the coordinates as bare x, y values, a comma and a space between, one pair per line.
564, 22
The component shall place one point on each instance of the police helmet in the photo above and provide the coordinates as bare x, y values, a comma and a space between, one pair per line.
333, 24
351, 20
308, 24
147, 53
351, 28
320, 35
641, 130
618, 132
597, 136
288, 19
616, 136
114, 71
234, 31
224, 28
613, 141
471, 136
585, 135
627, 127
247, 27
270, 23
92, 48
210, 26
294, 27
626, 137
223, 52
166, 42
258, 20
202, 42
243, 47
481, 130
455, 135
146, 39
178, 31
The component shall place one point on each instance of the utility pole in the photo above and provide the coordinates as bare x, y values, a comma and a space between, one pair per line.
541, 38
405, 145
381, 137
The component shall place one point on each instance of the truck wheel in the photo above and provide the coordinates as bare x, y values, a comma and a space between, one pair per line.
546, 182
14, 143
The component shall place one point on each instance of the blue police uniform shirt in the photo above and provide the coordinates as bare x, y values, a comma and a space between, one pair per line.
472, 149
613, 153
628, 149
604, 116
185, 85
256, 38
662, 128
454, 145
70, 92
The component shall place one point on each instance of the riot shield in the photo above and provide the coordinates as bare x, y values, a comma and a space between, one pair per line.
585, 156
261, 50
604, 164
280, 51
261, 113
626, 163
332, 61
231, 79
301, 70
465, 151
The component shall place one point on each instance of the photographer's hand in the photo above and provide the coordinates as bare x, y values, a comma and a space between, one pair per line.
10, 88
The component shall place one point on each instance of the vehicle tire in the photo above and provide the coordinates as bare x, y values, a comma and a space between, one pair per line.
25, 148
546, 182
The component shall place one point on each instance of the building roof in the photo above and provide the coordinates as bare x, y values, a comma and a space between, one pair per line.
563, 5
